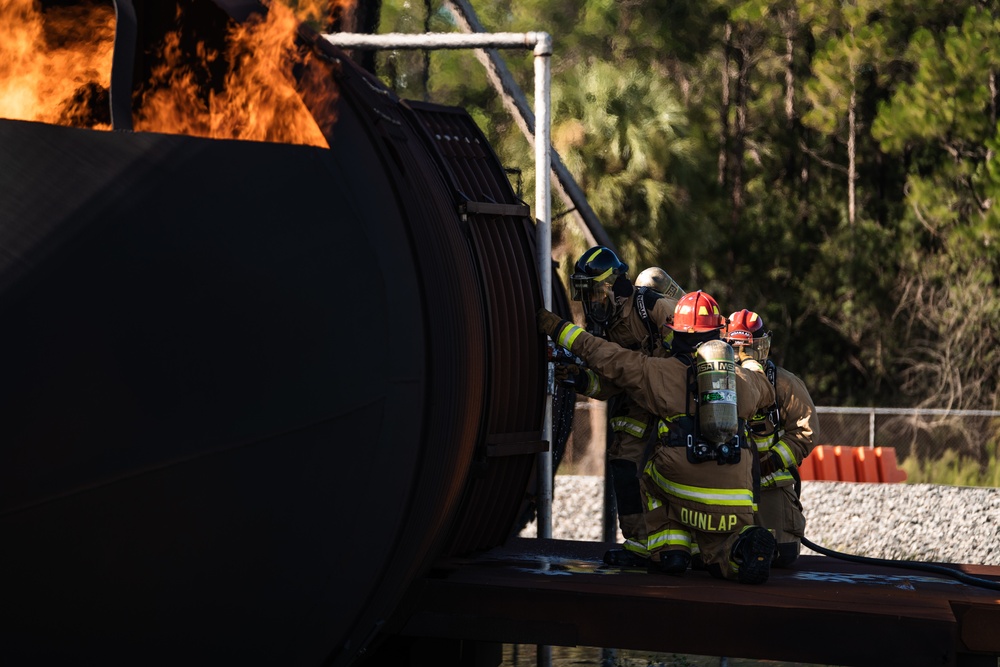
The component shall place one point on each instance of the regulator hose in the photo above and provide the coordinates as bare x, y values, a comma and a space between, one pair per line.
910, 565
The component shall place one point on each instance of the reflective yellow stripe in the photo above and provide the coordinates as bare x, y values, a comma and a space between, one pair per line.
651, 502
785, 452
706, 496
628, 425
593, 383
663, 426
601, 278
636, 547
774, 477
603, 275
669, 538
568, 335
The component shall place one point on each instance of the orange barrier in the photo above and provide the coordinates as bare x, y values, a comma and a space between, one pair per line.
865, 464
825, 463
837, 463
845, 463
887, 469
806, 469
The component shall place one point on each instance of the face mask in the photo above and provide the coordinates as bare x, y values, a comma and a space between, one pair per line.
598, 303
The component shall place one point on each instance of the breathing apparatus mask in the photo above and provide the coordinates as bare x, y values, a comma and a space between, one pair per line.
601, 299
600, 283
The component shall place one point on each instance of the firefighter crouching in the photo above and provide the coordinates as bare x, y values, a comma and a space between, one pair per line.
699, 484
636, 319
784, 434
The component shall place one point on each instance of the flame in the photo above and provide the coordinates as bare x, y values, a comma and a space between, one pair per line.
55, 67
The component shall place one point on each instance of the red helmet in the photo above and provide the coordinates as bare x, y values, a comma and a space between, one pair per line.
695, 312
746, 332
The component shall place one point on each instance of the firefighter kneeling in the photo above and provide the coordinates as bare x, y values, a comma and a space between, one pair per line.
699, 484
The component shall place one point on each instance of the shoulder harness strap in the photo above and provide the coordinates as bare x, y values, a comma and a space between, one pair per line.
645, 300
774, 414
692, 382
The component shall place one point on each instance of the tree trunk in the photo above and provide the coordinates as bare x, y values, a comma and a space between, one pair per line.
724, 105
851, 152
739, 137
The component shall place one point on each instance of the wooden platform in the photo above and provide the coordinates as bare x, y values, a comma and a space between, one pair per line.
824, 610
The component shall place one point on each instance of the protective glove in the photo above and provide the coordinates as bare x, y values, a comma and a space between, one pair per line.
549, 323
566, 372
770, 463
571, 376
752, 364
579, 379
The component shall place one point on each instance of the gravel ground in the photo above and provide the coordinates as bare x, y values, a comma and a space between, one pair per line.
920, 522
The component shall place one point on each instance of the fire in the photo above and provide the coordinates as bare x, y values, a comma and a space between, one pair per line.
55, 67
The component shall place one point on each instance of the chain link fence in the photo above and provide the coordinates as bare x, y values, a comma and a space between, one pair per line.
924, 433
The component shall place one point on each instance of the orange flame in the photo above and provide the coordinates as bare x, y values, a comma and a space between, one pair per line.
55, 67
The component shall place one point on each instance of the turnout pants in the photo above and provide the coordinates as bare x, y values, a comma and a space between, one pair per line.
626, 455
704, 503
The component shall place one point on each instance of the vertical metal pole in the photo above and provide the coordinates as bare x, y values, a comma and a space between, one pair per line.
609, 529
543, 242
543, 229
871, 429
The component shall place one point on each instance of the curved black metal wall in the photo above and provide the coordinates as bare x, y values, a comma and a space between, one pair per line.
502, 236
251, 391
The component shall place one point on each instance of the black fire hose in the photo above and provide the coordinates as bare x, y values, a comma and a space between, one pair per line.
910, 565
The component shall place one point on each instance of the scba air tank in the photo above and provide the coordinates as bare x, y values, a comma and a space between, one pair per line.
716, 369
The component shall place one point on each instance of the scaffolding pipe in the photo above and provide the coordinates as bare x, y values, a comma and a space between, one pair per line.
517, 105
541, 45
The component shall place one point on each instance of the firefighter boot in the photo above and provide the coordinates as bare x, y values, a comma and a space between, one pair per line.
672, 561
788, 553
619, 557
753, 551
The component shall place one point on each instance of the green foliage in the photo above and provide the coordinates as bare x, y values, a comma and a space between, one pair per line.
623, 135
948, 97
716, 138
953, 470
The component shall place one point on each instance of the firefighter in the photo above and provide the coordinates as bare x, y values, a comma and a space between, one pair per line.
784, 434
699, 483
636, 319
660, 282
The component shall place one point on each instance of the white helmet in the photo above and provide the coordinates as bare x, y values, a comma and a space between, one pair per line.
660, 282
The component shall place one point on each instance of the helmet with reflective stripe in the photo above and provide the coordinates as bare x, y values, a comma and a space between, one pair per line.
746, 333
697, 311
599, 281
599, 264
